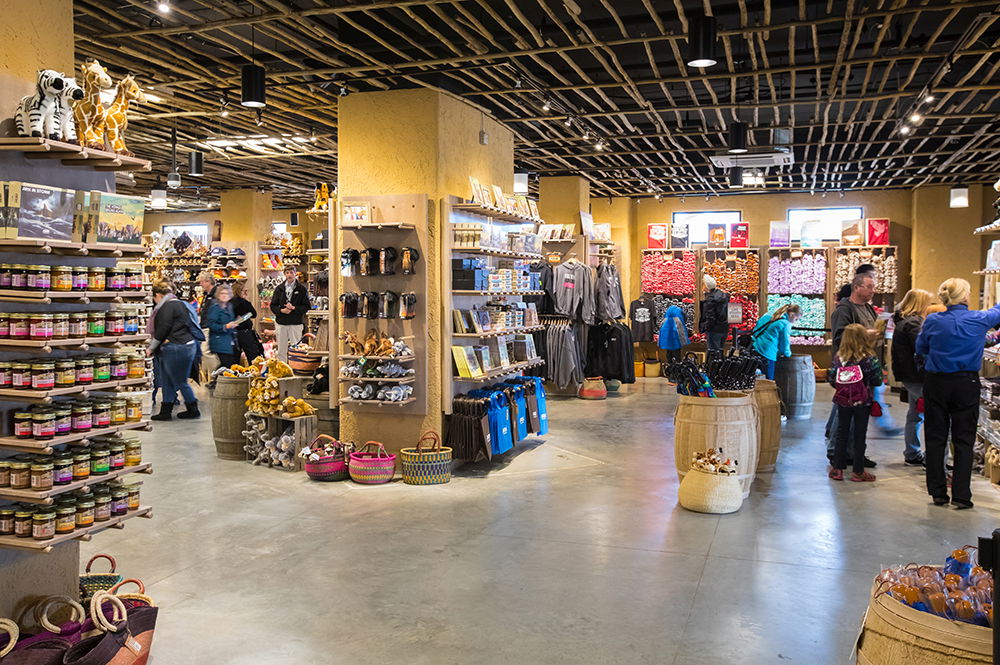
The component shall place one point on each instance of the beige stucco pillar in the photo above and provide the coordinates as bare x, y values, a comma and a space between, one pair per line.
562, 198
246, 215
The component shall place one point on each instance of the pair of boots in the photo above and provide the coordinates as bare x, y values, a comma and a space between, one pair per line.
167, 408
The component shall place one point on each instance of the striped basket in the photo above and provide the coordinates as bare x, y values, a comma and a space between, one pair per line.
91, 583
329, 468
372, 468
426, 467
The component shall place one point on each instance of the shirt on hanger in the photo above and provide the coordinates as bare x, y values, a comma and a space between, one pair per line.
641, 313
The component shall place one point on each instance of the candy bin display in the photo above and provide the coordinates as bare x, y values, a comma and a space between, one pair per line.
668, 272
735, 271
813, 318
797, 271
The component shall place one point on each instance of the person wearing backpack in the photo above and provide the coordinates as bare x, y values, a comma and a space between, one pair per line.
176, 333
856, 371
673, 333
772, 335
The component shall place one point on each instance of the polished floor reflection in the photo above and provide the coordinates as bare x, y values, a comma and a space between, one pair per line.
574, 551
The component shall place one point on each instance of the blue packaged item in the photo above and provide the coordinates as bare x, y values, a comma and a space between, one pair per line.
520, 414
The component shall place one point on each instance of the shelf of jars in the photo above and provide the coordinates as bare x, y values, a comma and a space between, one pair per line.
47, 496
84, 533
45, 396
83, 438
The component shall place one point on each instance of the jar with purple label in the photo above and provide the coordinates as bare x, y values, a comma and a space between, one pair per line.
116, 279
18, 277
80, 275
5, 269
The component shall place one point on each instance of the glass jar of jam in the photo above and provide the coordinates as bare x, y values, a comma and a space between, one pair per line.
4, 325
114, 323
43, 424
101, 414
133, 409
4, 275
81, 466
65, 373
42, 477
102, 368
116, 279
118, 411
22, 424
43, 375
5, 473
62, 278
5, 374
43, 526
97, 279
65, 519
84, 371
82, 418
117, 460
80, 278
119, 366
133, 451
84, 513
38, 278
95, 324
64, 419
136, 366
19, 327
60, 326
78, 324
62, 470
119, 501
102, 507
134, 278
130, 325
22, 522
40, 326
18, 277
133, 495
20, 475
100, 460
6, 521
20, 376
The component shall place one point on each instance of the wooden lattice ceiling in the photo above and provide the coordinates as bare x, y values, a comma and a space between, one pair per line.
840, 74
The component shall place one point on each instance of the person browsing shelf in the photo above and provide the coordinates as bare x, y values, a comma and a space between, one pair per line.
772, 336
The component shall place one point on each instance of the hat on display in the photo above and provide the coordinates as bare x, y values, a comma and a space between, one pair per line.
217, 251
232, 264
237, 251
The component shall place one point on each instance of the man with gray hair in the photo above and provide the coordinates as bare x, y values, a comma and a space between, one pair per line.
714, 321
208, 285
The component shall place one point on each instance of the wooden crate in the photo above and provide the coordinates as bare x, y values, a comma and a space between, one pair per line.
303, 432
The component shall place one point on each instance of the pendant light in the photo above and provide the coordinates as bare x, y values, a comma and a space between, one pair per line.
738, 138
196, 163
254, 83
158, 196
701, 42
736, 177
174, 177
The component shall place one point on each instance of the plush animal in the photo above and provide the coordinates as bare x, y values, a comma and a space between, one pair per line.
322, 203
116, 120
35, 115
65, 120
89, 112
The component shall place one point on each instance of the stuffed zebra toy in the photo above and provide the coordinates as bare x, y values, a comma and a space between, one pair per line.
36, 113
65, 124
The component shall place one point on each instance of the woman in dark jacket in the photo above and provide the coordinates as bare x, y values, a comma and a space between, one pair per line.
246, 336
171, 325
221, 323
907, 319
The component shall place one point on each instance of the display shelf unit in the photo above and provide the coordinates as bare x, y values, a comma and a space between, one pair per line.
494, 213
489, 251
498, 333
72, 154
318, 312
731, 259
46, 446
45, 396
47, 497
498, 293
42, 546
401, 380
657, 254
318, 252
396, 221
499, 372
881, 256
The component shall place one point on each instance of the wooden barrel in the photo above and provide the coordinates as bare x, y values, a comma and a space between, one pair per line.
796, 385
895, 633
727, 421
765, 396
228, 422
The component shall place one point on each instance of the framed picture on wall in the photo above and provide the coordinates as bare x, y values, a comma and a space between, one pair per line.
781, 234
356, 213
716, 235
658, 236
499, 200
533, 208
852, 233
878, 231
739, 234
679, 235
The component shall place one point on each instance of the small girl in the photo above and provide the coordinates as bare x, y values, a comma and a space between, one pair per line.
855, 372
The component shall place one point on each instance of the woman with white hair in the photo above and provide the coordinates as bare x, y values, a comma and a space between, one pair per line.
951, 344
714, 321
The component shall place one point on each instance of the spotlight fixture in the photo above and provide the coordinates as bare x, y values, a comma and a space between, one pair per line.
224, 112
599, 145
158, 196
586, 135
344, 91
905, 130
173, 180
546, 106
737, 138
254, 86
659, 197
568, 121
683, 200
163, 6
929, 98
916, 118
736, 177
260, 118
958, 197
196, 163
701, 42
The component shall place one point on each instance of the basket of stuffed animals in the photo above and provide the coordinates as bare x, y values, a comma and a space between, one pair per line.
372, 465
712, 485
326, 459
430, 466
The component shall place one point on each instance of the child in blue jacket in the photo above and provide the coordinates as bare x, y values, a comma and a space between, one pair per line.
673, 333
772, 335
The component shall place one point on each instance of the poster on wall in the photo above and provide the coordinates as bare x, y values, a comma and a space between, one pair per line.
679, 238
852, 233
739, 234
878, 231
657, 236
781, 234
811, 234
587, 224
716, 235
217, 231
602, 233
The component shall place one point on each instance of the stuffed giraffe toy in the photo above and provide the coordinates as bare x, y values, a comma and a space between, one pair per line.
116, 120
89, 112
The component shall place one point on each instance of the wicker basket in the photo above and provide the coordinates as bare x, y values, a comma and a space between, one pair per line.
426, 467
372, 468
303, 363
705, 492
91, 583
329, 468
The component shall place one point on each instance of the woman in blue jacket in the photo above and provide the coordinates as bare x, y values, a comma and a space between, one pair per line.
221, 325
673, 333
772, 335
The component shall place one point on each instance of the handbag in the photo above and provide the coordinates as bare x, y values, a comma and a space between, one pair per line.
426, 467
48, 651
114, 644
133, 600
91, 583
876, 410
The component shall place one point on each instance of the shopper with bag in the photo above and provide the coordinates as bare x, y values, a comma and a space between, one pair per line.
951, 344
673, 333
176, 333
246, 337
907, 319
289, 304
854, 374
773, 334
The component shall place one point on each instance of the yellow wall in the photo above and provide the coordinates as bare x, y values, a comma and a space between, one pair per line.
562, 198
308, 224
621, 214
943, 244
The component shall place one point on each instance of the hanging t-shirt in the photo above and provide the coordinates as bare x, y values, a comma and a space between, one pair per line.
369, 304
369, 261
641, 312
349, 259
387, 261
410, 256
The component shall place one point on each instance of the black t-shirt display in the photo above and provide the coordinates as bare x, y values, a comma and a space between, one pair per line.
369, 304
387, 260
349, 259
641, 313
369, 261
388, 305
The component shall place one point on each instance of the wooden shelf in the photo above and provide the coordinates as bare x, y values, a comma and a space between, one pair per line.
399, 380
116, 248
14, 542
399, 359
496, 252
558, 240
318, 252
989, 229
45, 497
988, 271
498, 333
73, 155
117, 295
376, 226
502, 371
498, 293
494, 213
378, 402
14, 395
318, 312
46, 297
45, 346
82, 438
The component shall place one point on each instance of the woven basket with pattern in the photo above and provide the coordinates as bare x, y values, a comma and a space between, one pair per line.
372, 468
91, 583
705, 492
430, 466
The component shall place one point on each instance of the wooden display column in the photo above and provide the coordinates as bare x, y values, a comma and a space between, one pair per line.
413, 142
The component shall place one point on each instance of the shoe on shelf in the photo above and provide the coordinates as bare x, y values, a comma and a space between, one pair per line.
916, 461
941, 501
835, 474
870, 463
961, 505
863, 477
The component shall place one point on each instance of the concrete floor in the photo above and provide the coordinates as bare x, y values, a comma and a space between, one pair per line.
573, 552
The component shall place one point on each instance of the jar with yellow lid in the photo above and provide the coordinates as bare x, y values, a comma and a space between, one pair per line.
117, 280
97, 279
62, 278
43, 424
60, 326
65, 519
133, 408
5, 275
133, 452
38, 277
77, 324
20, 376
4, 473
95, 324
84, 371
65, 373
84, 513
6, 521
20, 475
40, 326
80, 278
102, 368
42, 477
119, 366
43, 375
22, 424
62, 469
119, 501
102, 507
83, 417
118, 411
114, 322
117, 456
133, 490
64, 418
101, 410
43, 526
20, 327
22, 521
81, 466
100, 460
4, 325
18, 277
